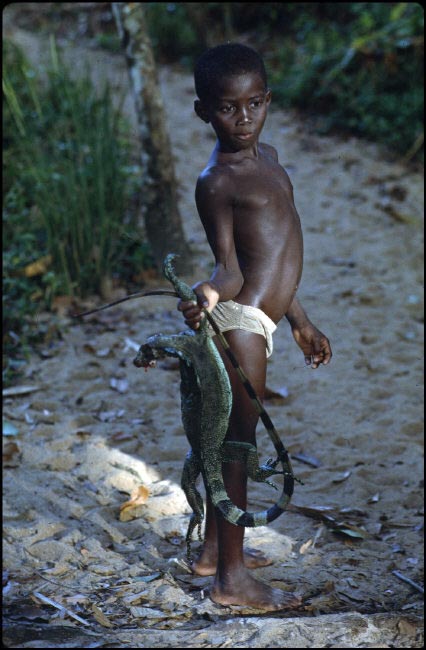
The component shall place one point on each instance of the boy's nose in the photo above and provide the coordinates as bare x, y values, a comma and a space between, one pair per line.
243, 117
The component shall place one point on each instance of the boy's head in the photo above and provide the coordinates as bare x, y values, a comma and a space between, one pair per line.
223, 61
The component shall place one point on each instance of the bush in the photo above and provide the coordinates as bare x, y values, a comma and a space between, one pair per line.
69, 219
361, 70
358, 66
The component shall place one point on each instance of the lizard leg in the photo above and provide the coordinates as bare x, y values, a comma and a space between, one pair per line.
190, 473
246, 452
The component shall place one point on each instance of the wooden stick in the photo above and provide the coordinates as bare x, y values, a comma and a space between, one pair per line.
409, 581
138, 294
67, 611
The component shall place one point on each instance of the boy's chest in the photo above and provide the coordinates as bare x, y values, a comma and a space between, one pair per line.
262, 186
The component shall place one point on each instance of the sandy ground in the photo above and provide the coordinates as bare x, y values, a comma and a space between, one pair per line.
87, 429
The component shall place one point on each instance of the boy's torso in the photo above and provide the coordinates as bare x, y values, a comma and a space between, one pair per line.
267, 231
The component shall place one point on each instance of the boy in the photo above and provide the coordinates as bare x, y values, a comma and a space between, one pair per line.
245, 202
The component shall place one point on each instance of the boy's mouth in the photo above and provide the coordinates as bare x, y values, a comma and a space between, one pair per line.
243, 136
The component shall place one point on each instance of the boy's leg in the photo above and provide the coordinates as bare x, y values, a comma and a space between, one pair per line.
234, 585
206, 563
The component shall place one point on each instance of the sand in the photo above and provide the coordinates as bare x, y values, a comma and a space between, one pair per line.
88, 428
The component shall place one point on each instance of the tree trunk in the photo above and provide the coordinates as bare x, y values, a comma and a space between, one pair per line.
161, 214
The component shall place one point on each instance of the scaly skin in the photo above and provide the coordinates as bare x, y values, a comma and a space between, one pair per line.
206, 400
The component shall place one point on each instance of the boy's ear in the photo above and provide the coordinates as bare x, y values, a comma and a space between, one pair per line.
201, 111
268, 96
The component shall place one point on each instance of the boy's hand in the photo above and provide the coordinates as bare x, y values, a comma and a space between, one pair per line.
207, 297
314, 345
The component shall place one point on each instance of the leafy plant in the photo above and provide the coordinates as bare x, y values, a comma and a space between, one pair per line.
70, 194
352, 66
362, 71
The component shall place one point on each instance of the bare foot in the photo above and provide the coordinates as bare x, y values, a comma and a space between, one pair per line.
249, 592
205, 564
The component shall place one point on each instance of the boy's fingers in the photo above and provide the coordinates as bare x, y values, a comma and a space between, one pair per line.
327, 357
192, 313
184, 305
193, 325
202, 301
191, 310
319, 357
326, 353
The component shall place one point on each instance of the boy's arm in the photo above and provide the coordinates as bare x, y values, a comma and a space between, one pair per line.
213, 197
313, 343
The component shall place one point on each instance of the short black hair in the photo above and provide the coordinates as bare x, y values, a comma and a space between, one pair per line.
224, 61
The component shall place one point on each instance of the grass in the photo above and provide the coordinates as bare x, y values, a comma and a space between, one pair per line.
70, 213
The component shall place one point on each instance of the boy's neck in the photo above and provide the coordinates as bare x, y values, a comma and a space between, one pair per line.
235, 156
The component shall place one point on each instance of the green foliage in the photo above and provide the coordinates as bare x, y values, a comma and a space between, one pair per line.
173, 34
363, 73
68, 192
357, 65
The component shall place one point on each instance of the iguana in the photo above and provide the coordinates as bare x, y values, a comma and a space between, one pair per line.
206, 400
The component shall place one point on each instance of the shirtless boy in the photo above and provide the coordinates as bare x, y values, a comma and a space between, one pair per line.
245, 201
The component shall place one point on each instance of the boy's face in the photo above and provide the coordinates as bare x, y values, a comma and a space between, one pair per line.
238, 111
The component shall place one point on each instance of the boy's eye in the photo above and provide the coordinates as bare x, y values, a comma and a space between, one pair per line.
226, 109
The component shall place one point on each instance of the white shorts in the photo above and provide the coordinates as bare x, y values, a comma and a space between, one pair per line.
231, 315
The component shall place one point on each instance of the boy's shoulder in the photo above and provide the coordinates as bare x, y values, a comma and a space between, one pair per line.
214, 177
269, 150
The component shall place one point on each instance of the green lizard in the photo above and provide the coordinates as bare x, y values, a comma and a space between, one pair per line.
206, 400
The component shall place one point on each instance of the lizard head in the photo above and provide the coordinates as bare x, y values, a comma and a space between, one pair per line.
147, 356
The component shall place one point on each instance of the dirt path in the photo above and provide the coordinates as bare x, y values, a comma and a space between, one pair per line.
90, 428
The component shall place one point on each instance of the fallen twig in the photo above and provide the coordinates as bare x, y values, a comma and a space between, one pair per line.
67, 611
409, 581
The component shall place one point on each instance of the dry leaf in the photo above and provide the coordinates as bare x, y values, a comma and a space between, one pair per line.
120, 385
135, 599
110, 416
148, 612
9, 429
132, 509
138, 496
11, 454
148, 578
77, 599
328, 515
19, 390
305, 458
304, 548
38, 267
352, 595
374, 498
100, 617
62, 305
351, 531
122, 436
328, 587
103, 352
342, 477
323, 513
